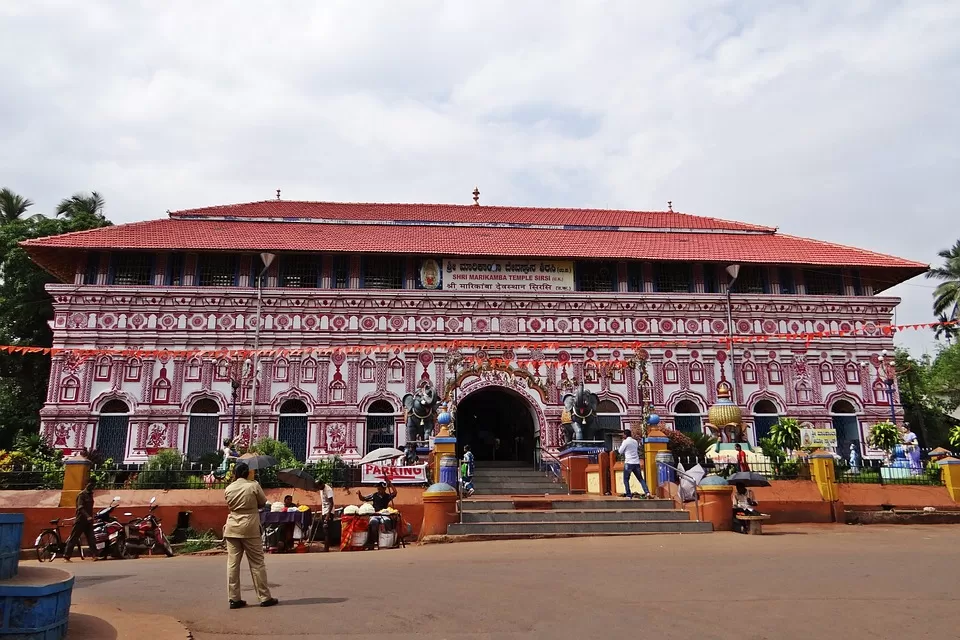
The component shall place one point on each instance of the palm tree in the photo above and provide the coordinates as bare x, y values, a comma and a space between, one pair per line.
82, 205
12, 206
946, 331
946, 297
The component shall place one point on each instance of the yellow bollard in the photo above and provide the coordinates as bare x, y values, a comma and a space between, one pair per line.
76, 475
821, 467
655, 442
443, 444
950, 468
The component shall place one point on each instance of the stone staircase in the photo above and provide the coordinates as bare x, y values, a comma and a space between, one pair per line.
514, 501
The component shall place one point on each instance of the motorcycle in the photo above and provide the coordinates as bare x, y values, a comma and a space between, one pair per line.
109, 533
145, 534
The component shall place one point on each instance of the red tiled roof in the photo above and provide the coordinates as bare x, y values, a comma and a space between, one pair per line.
411, 213
251, 235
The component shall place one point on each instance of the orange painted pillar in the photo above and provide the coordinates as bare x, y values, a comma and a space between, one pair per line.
716, 503
439, 510
604, 461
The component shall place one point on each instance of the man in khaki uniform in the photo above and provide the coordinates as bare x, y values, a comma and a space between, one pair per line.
241, 534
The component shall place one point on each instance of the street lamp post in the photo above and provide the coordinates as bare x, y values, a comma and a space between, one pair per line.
267, 259
733, 271
888, 372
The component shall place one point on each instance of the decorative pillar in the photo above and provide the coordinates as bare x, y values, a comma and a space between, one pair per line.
950, 468
821, 467
716, 502
439, 510
655, 442
444, 446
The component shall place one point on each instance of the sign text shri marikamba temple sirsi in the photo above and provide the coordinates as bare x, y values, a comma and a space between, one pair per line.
508, 275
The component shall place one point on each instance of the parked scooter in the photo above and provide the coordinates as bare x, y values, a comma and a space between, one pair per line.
145, 534
109, 533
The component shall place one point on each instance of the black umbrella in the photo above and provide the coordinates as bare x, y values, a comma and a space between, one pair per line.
749, 479
297, 478
256, 462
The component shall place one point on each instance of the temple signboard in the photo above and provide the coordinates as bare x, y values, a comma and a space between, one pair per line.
818, 438
374, 472
534, 276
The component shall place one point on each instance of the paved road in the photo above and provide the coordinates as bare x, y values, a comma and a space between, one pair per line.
854, 582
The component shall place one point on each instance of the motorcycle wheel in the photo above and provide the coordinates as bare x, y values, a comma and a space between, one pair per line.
119, 549
167, 549
47, 547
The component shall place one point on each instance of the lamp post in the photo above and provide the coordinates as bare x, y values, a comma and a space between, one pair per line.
888, 374
733, 271
267, 259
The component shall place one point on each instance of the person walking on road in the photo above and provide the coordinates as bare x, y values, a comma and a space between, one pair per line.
83, 523
241, 534
630, 449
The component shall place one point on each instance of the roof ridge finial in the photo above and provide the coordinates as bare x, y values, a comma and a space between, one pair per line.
669, 204
278, 194
476, 196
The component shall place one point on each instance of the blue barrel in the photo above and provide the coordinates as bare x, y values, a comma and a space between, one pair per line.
665, 474
11, 530
448, 470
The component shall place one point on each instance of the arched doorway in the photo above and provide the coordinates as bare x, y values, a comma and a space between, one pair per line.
112, 430
687, 418
765, 415
845, 421
498, 424
292, 429
202, 429
609, 425
381, 423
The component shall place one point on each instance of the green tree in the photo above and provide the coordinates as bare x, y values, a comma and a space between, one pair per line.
83, 208
946, 297
12, 206
786, 434
25, 312
943, 330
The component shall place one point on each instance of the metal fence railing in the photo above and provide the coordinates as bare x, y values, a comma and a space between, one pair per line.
24, 477
199, 476
786, 470
872, 471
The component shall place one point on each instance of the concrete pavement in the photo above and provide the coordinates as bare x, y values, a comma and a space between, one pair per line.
857, 582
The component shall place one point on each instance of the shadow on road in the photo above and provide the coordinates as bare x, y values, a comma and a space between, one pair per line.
82, 627
88, 581
313, 601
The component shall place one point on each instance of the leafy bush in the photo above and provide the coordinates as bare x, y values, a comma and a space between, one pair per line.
785, 435
884, 436
771, 450
954, 437
212, 459
280, 451
332, 471
702, 442
164, 470
680, 445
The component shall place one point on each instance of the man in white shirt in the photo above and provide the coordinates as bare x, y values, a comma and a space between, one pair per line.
326, 510
630, 450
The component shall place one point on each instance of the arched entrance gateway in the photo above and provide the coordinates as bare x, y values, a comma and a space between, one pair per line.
499, 423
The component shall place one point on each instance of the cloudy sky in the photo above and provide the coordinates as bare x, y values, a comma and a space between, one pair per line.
834, 119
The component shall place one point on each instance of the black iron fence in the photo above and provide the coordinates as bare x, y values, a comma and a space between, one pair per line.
198, 476
25, 477
772, 470
872, 471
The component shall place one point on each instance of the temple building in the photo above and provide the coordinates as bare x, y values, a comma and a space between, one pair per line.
362, 304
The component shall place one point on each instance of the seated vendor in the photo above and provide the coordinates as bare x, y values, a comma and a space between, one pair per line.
743, 505
384, 495
288, 503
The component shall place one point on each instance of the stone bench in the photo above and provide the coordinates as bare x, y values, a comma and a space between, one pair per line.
754, 523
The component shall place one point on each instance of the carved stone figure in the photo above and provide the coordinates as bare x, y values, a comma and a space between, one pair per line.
420, 410
583, 414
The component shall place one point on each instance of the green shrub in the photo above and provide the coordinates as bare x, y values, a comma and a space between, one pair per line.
785, 435
884, 436
280, 451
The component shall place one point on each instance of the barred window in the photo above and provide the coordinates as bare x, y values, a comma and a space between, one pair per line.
673, 276
300, 271
341, 272
381, 272
752, 279
635, 277
596, 276
711, 283
132, 269
788, 285
216, 270
175, 262
824, 282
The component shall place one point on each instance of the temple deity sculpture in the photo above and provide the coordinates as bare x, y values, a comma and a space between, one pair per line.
420, 408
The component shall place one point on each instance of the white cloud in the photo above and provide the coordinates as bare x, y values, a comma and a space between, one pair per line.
828, 119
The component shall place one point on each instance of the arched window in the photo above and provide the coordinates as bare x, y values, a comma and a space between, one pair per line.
590, 372
381, 425
803, 393
337, 391
880, 392
774, 372
749, 373
308, 370
292, 428
826, 373
161, 388
223, 369
765, 415
616, 373
112, 430
608, 416
104, 369
687, 418
194, 369
670, 374
852, 373
696, 372
70, 390
134, 368
396, 370
203, 429
366, 371
281, 370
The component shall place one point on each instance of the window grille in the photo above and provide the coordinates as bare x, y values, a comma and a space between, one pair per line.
341, 272
824, 283
711, 283
635, 277
383, 272
788, 285
750, 280
673, 276
300, 271
596, 276
174, 275
380, 431
132, 269
216, 270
